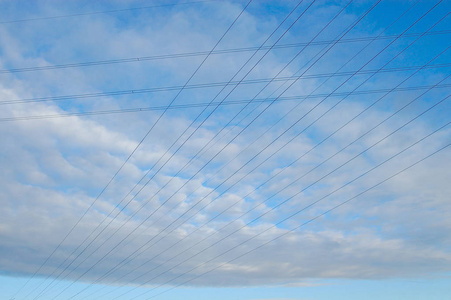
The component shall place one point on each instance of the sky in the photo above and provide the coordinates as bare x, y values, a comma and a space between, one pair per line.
260, 150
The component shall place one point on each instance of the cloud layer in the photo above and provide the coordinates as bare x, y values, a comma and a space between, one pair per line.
54, 168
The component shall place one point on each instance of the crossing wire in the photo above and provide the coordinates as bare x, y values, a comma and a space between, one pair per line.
257, 139
201, 53
311, 94
199, 116
131, 154
323, 140
286, 144
390, 61
362, 17
221, 183
303, 224
268, 180
205, 104
201, 85
290, 216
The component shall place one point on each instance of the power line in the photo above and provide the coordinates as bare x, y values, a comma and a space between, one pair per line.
303, 190
205, 104
351, 26
208, 85
305, 223
401, 52
294, 9
298, 193
138, 145
236, 102
203, 53
287, 185
279, 136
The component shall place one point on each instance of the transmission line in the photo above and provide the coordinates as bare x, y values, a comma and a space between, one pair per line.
399, 54
205, 104
266, 148
362, 17
131, 154
198, 228
303, 224
212, 100
203, 53
282, 189
206, 85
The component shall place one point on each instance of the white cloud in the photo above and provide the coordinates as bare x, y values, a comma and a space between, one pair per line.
53, 169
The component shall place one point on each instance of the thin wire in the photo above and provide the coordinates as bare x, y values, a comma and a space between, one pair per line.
199, 201
198, 228
280, 190
202, 85
356, 23
205, 104
104, 12
385, 65
112, 249
201, 53
306, 222
294, 138
317, 88
134, 150
285, 219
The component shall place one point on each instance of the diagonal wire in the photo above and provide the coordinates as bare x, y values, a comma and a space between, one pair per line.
112, 249
286, 218
360, 19
218, 94
284, 144
312, 93
200, 86
341, 127
280, 190
306, 222
131, 154
227, 103
198, 53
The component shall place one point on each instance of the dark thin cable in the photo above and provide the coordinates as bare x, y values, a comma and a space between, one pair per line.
310, 170
258, 152
308, 221
201, 113
196, 105
201, 53
299, 134
280, 190
285, 219
317, 88
356, 22
273, 125
131, 154
398, 55
104, 12
204, 85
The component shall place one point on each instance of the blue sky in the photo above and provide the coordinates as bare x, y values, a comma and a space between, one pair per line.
306, 158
